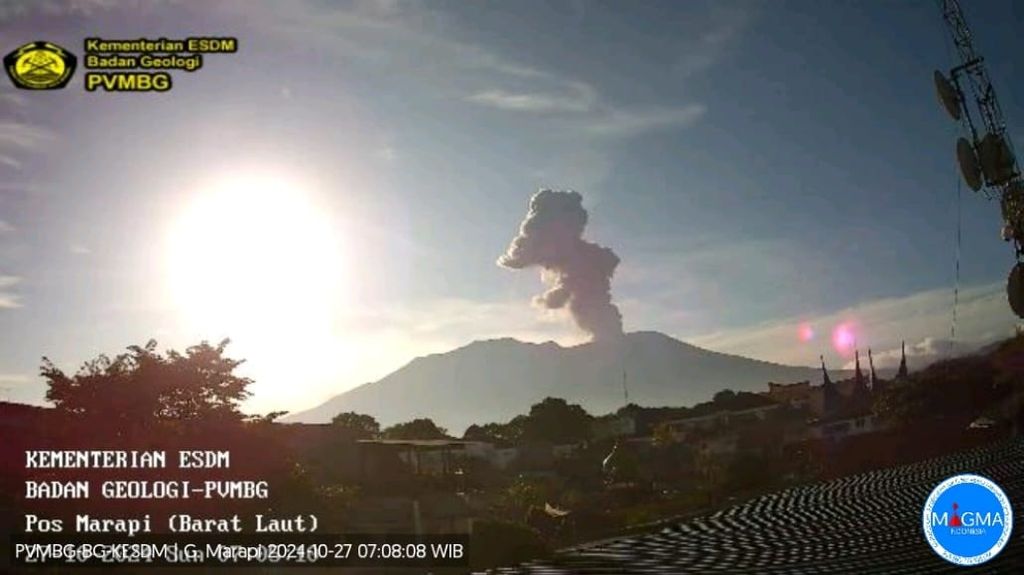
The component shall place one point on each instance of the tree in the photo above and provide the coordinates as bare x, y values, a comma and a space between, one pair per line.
142, 385
500, 433
524, 493
422, 428
497, 543
959, 388
354, 425
750, 471
556, 421
480, 432
724, 397
267, 418
663, 435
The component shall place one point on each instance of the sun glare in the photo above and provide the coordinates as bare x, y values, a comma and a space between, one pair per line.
255, 258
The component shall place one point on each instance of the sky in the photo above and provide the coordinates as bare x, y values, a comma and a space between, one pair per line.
333, 197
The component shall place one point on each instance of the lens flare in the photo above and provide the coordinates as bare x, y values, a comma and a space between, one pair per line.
805, 332
844, 338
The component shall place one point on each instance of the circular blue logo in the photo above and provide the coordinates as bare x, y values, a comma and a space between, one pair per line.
967, 519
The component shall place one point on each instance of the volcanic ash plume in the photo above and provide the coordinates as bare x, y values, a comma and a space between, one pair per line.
579, 272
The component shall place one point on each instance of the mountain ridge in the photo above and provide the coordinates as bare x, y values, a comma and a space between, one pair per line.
495, 379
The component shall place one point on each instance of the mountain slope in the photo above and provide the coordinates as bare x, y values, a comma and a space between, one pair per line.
495, 380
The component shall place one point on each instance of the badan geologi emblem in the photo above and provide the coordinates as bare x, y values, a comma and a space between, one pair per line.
40, 66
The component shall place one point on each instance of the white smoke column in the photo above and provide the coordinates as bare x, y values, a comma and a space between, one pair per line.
579, 272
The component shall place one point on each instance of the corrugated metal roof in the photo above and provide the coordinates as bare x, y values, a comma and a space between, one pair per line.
867, 523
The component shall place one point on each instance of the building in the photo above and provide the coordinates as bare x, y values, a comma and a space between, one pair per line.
847, 407
829, 397
843, 425
441, 456
796, 395
748, 408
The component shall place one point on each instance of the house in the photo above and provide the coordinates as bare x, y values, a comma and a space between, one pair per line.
429, 456
441, 456
842, 425
745, 409
846, 409
796, 395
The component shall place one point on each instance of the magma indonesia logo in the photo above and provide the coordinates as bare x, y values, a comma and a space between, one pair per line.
967, 519
40, 66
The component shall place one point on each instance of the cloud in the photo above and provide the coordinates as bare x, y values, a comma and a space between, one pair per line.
683, 284
17, 8
379, 7
419, 43
725, 23
79, 249
18, 137
13, 100
596, 119
983, 316
8, 380
632, 122
10, 162
441, 324
577, 97
922, 353
6, 228
8, 300
714, 32
403, 36
23, 136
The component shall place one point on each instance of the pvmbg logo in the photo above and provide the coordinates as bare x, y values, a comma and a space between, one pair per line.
967, 519
40, 66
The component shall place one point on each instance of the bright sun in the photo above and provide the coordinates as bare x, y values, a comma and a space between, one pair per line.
256, 259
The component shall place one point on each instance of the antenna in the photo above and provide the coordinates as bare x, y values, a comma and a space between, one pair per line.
985, 153
625, 389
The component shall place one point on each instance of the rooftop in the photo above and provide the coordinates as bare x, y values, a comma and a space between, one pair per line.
421, 442
808, 529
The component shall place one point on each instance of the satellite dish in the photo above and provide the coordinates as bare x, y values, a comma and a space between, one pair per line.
996, 159
1015, 289
968, 164
948, 95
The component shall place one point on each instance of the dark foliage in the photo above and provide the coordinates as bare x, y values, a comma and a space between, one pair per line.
352, 426
498, 433
495, 543
142, 386
556, 421
960, 388
422, 428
